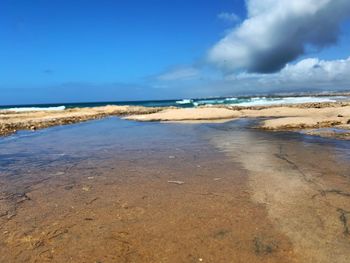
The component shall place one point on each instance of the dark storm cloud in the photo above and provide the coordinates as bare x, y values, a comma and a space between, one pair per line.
277, 32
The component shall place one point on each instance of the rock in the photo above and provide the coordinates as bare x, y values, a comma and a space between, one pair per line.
86, 188
176, 182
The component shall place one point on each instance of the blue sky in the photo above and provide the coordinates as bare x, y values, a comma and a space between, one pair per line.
65, 51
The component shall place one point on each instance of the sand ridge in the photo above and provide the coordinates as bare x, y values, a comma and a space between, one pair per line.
288, 117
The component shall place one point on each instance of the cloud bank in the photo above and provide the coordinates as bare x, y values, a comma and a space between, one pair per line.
277, 32
308, 74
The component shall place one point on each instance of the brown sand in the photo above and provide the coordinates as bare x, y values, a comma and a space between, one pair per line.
142, 219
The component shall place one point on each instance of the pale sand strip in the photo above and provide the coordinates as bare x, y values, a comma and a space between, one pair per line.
283, 117
189, 114
289, 117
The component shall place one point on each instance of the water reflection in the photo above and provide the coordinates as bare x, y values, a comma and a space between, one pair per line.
303, 182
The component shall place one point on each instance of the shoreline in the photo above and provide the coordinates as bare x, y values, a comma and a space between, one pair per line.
311, 118
117, 190
11, 121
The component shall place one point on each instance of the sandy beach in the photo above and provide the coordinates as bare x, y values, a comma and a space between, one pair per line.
311, 118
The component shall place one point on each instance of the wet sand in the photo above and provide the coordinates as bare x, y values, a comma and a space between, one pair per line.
122, 191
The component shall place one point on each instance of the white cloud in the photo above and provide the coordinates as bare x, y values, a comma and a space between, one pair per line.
311, 73
315, 70
228, 17
276, 32
178, 74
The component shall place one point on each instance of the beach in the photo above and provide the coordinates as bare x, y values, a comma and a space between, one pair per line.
166, 184
312, 118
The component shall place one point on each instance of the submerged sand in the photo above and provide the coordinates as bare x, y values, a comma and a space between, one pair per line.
121, 191
112, 198
309, 117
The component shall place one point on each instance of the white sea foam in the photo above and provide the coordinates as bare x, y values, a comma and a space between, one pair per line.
287, 100
196, 104
230, 99
23, 109
264, 101
184, 101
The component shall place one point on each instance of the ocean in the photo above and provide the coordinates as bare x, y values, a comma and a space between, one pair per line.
185, 103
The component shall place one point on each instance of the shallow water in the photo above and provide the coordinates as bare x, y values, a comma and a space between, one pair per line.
103, 191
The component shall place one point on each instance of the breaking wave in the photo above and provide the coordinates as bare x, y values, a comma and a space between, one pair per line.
23, 109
